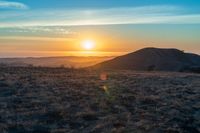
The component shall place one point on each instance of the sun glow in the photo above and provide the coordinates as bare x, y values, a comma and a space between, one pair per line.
88, 44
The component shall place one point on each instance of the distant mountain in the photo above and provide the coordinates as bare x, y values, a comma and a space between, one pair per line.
67, 61
156, 59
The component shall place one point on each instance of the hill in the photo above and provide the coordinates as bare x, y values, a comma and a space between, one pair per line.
154, 59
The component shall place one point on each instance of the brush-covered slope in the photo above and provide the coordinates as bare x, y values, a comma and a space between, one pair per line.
153, 59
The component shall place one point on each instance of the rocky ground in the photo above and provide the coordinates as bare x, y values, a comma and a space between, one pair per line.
47, 100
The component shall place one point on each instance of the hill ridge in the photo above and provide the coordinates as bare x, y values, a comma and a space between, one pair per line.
150, 58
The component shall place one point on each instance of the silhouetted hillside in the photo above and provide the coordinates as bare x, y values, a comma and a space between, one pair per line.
154, 59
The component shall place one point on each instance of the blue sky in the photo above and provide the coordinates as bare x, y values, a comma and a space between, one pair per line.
97, 12
103, 3
159, 23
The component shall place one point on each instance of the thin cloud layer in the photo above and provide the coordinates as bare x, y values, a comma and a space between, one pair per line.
12, 5
132, 15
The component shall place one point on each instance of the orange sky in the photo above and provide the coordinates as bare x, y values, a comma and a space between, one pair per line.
113, 40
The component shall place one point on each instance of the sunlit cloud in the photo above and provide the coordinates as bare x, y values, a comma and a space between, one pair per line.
31, 38
12, 5
43, 29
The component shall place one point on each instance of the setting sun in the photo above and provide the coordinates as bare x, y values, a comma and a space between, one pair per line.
88, 44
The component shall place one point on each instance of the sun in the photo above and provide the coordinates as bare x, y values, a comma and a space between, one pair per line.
88, 44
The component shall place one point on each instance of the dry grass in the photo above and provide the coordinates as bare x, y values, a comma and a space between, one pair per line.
44, 100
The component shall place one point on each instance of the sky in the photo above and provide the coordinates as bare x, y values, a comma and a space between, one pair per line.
36, 28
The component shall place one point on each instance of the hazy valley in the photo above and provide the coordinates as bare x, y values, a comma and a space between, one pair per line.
68, 61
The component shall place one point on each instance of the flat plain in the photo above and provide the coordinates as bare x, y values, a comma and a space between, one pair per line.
59, 100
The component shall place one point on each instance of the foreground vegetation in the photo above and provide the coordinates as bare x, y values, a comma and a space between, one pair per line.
58, 100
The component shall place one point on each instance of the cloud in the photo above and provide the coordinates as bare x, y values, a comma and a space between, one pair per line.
163, 14
31, 38
41, 31
54, 30
12, 5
